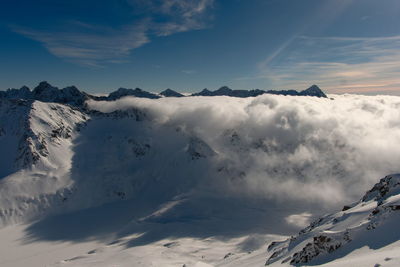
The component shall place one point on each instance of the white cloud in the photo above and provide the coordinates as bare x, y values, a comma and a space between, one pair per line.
187, 15
299, 220
285, 148
94, 45
189, 71
91, 46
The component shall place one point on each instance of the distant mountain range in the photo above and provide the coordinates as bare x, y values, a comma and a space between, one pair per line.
71, 95
314, 90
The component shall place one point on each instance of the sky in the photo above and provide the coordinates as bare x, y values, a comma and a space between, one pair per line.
344, 46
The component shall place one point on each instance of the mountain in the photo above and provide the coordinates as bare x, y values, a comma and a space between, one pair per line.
47, 93
137, 92
283, 92
170, 93
372, 221
204, 92
226, 91
314, 90
71, 95
23, 93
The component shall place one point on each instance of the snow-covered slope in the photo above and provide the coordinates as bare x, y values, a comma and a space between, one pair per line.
362, 234
36, 156
372, 221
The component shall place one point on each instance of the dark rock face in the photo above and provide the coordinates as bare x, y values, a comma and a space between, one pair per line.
386, 185
321, 244
170, 93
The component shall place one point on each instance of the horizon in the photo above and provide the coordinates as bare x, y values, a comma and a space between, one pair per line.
344, 46
149, 90
158, 92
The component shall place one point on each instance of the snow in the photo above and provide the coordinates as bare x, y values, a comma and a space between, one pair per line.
198, 181
371, 222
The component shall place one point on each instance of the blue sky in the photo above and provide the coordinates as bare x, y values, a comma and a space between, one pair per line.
342, 45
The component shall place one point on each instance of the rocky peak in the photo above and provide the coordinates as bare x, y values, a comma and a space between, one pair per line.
386, 187
170, 93
43, 87
224, 90
204, 92
23, 93
314, 90
25, 89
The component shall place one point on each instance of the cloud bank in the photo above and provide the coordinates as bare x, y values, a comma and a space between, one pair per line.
299, 148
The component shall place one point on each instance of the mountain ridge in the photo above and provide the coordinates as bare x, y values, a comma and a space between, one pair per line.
342, 231
71, 95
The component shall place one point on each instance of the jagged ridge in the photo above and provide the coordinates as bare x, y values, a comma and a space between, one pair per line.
326, 235
73, 96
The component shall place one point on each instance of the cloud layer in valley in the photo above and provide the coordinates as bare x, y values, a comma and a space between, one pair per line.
298, 148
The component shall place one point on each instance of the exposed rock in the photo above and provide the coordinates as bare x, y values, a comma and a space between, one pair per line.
333, 231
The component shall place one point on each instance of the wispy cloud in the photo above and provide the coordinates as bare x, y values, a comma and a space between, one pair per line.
189, 71
91, 47
94, 45
187, 15
339, 64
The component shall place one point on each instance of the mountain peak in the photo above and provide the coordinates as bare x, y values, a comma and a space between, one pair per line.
204, 92
224, 90
313, 90
24, 88
44, 88
43, 84
170, 93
